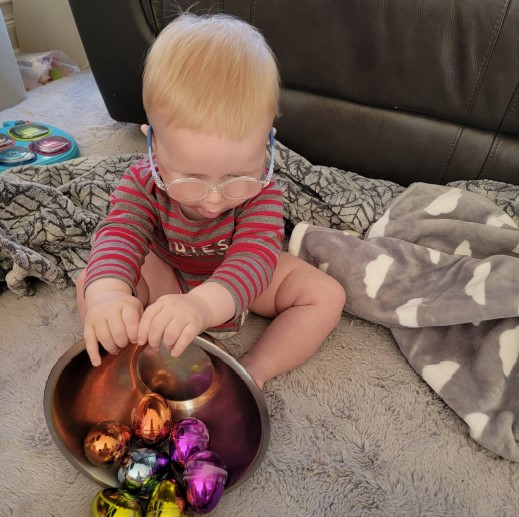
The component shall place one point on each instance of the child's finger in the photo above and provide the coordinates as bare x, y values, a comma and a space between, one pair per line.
104, 336
143, 329
188, 334
172, 332
131, 316
117, 329
162, 320
92, 346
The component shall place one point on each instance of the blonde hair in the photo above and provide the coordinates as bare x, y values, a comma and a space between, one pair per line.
214, 72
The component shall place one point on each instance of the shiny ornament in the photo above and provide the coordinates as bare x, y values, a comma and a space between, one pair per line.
107, 442
188, 436
166, 500
204, 479
141, 469
112, 502
151, 420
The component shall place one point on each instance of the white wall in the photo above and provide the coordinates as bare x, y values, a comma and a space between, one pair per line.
42, 25
7, 11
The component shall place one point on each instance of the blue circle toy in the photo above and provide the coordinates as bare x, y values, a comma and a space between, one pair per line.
23, 143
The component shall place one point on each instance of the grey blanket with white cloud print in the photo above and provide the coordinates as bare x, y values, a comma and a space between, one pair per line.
440, 269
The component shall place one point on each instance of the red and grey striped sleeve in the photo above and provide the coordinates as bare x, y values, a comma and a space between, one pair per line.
256, 244
122, 238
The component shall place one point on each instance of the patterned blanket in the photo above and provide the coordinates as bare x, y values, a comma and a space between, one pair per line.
440, 268
438, 265
48, 214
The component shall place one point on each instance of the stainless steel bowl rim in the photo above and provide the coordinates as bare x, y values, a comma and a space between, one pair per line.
210, 346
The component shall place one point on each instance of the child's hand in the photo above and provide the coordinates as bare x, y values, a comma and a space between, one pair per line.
175, 320
112, 319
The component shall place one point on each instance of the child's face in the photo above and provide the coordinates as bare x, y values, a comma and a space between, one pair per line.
182, 153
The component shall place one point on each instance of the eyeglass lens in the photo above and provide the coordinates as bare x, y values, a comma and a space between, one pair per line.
232, 189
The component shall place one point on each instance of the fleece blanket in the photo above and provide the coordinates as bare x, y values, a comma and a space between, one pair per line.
440, 269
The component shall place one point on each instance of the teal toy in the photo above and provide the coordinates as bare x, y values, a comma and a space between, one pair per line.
23, 143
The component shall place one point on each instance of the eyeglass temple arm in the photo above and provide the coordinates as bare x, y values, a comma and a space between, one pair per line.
154, 172
272, 154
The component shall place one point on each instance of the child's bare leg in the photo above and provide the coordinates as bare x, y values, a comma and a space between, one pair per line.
158, 279
306, 304
80, 298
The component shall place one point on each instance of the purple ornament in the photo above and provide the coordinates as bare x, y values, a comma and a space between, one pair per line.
173, 453
204, 479
188, 436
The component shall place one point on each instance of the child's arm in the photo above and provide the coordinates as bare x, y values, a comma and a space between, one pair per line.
256, 245
111, 312
122, 238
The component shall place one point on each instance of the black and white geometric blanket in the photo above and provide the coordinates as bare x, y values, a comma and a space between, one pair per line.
48, 216
445, 280
440, 269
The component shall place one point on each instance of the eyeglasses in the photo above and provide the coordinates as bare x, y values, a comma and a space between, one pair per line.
193, 189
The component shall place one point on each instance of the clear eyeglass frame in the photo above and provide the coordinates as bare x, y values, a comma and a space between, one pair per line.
253, 185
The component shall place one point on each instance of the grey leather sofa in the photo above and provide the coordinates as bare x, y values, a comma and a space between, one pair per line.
404, 90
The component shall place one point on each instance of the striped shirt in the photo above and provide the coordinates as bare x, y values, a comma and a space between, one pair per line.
238, 249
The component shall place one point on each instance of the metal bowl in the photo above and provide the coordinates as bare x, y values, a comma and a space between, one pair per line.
206, 382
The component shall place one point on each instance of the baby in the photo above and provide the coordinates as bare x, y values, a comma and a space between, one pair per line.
192, 241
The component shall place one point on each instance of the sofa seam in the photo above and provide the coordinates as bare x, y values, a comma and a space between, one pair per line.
491, 155
253, 12
486, 59
513, 105
475, 90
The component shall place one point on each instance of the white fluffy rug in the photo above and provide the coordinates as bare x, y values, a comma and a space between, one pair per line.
353, 432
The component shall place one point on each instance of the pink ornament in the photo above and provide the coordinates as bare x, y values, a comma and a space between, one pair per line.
188, 436
204, 479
